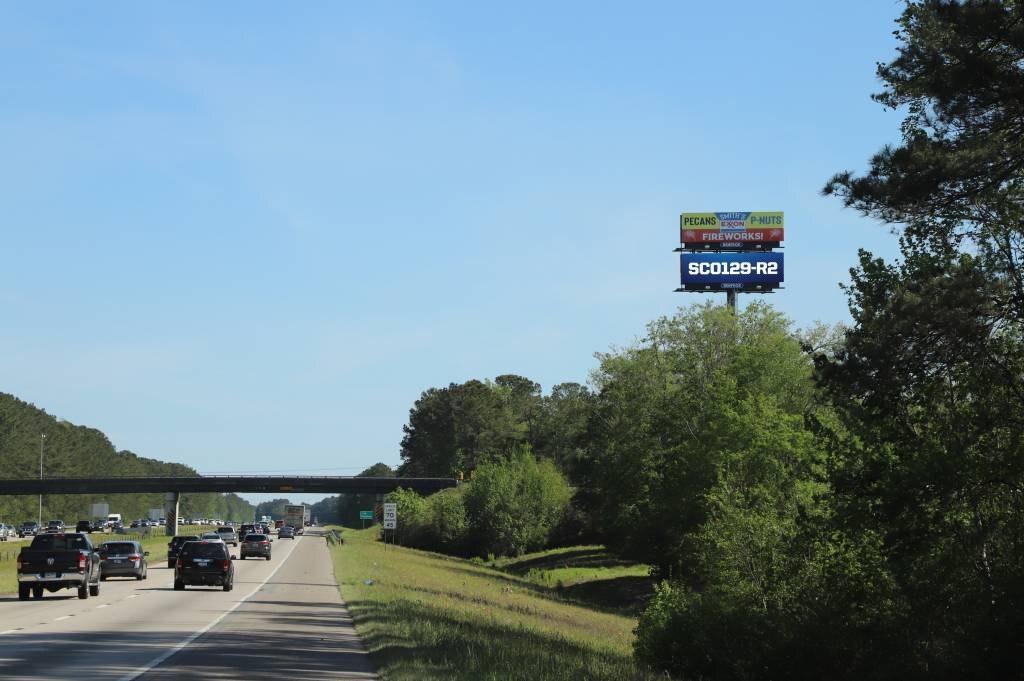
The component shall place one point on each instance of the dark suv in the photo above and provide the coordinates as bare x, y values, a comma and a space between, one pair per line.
204, 563
175, 546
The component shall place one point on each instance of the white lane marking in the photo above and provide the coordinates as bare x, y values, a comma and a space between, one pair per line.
63, 617
192, 637
11, 631
105, 605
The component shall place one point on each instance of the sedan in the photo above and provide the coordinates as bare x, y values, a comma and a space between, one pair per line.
123, 559
256, 545
286, 532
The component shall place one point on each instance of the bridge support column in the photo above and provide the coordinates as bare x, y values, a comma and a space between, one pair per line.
171, 513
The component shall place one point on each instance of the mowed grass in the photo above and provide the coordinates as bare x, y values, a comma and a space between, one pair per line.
426, 616
587, 574
155, 543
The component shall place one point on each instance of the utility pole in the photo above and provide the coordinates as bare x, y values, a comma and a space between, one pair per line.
42, 439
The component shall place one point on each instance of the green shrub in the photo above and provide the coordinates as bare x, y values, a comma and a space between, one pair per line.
513, 505
448, 524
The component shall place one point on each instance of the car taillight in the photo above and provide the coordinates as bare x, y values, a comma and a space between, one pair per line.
19, 563
179, 563
82, 561
103, 556
227, 564
134, 556
264, 542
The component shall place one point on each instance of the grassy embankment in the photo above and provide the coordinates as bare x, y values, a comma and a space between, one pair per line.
426, 616
155, 543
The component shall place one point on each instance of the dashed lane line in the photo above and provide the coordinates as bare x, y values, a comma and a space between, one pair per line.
192, 637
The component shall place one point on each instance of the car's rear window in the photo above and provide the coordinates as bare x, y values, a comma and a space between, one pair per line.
59, 542
202, 550
181, 539
225, 529
255, 537
118, 547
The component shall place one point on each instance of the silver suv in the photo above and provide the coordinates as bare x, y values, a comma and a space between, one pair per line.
228, 535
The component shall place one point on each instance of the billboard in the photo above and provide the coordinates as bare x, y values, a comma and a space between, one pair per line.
737, 230
738, 271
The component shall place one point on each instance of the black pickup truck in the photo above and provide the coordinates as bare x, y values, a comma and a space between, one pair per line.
59, 561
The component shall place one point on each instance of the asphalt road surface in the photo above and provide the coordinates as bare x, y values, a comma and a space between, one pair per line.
284, 620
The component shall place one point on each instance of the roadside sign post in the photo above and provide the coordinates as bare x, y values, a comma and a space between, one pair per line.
364, 516
390, 521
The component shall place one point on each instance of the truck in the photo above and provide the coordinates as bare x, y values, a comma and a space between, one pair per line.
65, 560
296, 517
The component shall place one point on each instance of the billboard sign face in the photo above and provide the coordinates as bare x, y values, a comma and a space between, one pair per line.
741, 230
739, 271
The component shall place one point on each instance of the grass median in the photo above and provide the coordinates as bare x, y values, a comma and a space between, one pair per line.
429, 617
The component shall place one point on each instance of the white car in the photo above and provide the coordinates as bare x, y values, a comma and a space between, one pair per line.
7, 531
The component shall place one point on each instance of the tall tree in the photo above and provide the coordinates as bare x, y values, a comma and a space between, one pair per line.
930, 379
456, 428
660, 430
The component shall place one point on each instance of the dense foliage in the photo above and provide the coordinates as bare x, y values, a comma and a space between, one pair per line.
455, 429
511, 505
79, 451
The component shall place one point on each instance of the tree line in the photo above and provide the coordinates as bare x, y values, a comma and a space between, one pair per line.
829, 503
79, 451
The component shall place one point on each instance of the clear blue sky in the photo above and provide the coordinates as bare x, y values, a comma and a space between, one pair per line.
246, 236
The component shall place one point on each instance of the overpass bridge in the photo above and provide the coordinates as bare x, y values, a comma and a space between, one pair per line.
173, 487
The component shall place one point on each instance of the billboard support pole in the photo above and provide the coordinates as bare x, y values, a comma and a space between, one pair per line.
730, 300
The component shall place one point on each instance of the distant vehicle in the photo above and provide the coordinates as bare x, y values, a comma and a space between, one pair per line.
123, 559
55, 527
247, 529
6, 531
29, 528
286, 532
58, 561
174, 547
204, 563
295, 516
113, 519
211, 536
135, 524
257, 545
228, 535
83, 526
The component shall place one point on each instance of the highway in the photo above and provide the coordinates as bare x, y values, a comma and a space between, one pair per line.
284, 619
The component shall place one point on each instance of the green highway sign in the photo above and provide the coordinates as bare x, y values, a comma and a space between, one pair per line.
366, 515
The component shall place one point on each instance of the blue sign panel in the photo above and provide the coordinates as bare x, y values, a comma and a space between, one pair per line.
741, 271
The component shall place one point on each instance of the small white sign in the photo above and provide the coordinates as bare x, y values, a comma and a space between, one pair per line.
390, 516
